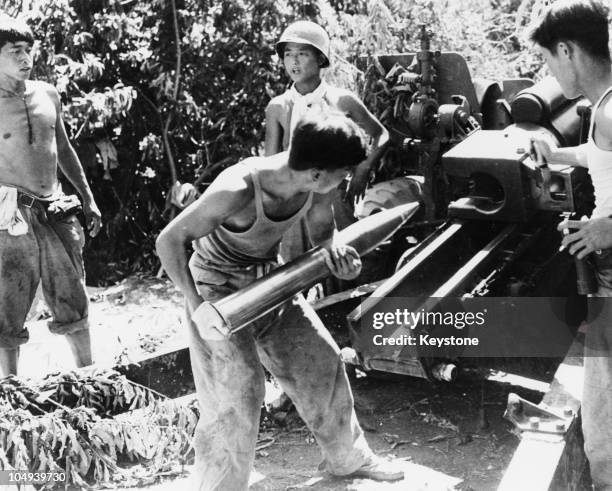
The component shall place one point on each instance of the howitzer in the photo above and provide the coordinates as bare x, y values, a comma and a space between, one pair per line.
490, 210
226, 316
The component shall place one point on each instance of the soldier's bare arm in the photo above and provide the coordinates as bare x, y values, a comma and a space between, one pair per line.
274, 130
70, 165
595, 234
357, 111
229, 193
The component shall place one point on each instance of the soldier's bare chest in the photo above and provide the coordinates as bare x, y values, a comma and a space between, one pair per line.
274, 208
30, 119
278, 208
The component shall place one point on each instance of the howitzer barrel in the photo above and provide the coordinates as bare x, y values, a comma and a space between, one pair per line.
265, 294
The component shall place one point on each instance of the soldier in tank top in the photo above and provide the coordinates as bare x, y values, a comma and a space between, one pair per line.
573, 38
236, 227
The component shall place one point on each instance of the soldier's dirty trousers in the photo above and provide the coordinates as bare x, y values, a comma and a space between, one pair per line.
597, 392
50, 252
295, 347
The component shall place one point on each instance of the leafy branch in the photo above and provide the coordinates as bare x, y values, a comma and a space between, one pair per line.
76, 436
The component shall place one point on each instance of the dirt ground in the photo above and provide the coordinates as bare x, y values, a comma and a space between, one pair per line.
447, 435
138, 316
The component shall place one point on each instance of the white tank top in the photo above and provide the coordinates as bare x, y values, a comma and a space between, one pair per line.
600, 167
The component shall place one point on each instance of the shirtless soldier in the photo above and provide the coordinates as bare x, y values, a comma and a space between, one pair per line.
236, 227
35, 245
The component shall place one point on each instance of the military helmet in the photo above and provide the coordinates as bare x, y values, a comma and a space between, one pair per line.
305, 32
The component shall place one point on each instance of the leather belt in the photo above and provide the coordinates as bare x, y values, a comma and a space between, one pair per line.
28, 201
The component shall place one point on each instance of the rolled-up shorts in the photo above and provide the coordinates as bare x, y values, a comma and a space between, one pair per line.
51, 253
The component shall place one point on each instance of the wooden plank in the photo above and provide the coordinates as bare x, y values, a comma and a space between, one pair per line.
552, 462
169, 372
534, 465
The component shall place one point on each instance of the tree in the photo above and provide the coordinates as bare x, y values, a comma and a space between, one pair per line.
160, 91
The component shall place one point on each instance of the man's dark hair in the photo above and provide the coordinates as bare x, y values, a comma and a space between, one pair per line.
13, 31
326, 141
584, 22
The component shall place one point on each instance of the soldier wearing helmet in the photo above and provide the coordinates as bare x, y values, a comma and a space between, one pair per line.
304, 48
308, 34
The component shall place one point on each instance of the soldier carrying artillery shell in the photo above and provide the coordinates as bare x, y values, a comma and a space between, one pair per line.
236, 227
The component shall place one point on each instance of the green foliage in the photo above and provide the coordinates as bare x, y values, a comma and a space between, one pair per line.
158, 91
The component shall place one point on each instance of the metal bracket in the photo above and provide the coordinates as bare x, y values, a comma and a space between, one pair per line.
527, 416
542, 178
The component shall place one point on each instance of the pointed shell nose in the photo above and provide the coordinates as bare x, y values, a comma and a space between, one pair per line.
407, 210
